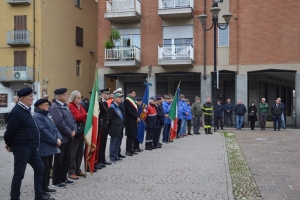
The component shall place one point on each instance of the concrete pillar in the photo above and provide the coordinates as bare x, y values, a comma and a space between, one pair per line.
206, 87
241, 91
297, 100
120, 84
152, 89
101, 81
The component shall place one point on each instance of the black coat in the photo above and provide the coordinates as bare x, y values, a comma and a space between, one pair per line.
277, 111
160, 115
48, 133
240, 109
252, 118
103, 115
131, 115
21, 130
115, 125
219, 110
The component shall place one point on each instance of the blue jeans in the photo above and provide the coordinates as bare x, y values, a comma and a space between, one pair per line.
182, 127
277, 122
239, 121
114, 148
166, 133
22, 156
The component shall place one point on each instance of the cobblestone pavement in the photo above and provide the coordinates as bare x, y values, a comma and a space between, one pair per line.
274, 161
193, 167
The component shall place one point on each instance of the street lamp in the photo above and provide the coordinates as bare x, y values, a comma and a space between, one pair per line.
202, 18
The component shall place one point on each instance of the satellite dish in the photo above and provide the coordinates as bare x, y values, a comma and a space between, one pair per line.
17, 75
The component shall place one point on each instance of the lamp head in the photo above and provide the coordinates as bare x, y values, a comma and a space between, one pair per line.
202, 18
215, 11
227, 17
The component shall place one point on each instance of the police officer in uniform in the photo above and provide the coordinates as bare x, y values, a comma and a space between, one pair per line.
150, 124
159, 122
22, 137
207, 110
103, 128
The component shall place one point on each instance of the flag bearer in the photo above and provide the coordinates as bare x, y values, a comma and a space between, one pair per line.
150, 124
207, 110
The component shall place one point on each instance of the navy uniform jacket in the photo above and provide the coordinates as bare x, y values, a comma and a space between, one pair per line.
49, 133
160, 115
64, 120
21, 129
103, 115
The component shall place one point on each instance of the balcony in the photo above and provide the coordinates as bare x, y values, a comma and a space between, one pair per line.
176, 55
16, 74
123, 11
18, 2
123, 57
176, 8
18, 38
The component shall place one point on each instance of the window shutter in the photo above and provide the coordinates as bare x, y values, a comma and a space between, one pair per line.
20, 22
16, 58
20, 58
23, 58
79, 36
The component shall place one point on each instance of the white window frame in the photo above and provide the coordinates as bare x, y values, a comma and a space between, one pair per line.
228, 39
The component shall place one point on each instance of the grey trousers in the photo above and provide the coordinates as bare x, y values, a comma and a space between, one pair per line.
77, 149
196, 123
263, 119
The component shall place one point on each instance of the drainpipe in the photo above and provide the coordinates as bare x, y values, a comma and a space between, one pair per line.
204, 50
34, 40
237, 37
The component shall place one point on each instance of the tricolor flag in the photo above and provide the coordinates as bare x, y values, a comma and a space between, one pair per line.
91, 128
173, 115
143, 115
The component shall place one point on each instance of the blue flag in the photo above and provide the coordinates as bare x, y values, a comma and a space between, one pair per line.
142, 113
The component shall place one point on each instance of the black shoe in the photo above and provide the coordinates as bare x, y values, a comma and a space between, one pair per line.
148, 148
137, 150
178, 136
119, 159
98, 166
61, 185
88, 170
222, 128
69, 182
46, 195
153, 147
121, 156
133, 152
44, 198
106, 163
50, 190
159, 146
127, 154
190, 134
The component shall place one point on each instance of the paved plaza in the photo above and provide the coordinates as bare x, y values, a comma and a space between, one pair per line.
194, 167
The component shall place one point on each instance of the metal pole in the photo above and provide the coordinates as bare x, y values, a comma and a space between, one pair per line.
215, 21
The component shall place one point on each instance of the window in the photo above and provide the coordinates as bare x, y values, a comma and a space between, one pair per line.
78, 62
78, 3
79, 36
20, 23
223, 36
20, 58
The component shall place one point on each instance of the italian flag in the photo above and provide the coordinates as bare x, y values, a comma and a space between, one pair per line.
173, 117
91, 128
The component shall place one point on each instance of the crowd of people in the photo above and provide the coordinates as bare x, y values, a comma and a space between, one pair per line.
52, 137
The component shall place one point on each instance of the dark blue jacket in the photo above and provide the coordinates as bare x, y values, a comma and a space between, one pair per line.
64, 120
49, 133
228, 107
219, 110
166, 107
160, 115
190, 116
21, 129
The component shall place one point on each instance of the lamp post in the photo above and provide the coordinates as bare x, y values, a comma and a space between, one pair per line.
215, 12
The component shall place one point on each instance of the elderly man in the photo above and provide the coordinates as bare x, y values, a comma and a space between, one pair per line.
66, 125
228, 108
277, 110
239, 110
263, 112
197, 114
22, 137
282, 115
50, 139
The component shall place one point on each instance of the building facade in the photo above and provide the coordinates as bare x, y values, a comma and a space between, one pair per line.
47, 45
257, 56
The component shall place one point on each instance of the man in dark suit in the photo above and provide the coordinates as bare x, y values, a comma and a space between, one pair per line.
22, 137
277, 110
131, 120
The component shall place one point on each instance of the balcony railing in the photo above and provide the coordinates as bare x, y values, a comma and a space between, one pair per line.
175, 52
25, 2
16, 73
123, 56
21, 37
123, 6
169, 4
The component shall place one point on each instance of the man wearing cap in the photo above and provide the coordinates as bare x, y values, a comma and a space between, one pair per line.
197, 115
159, 122
47, 97
50, 139
136, 145
22, 137
102, 128
150, 124
66, 125
115, 127
132, 118
166, 107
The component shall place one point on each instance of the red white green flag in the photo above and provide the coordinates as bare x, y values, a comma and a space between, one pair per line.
173, 116
91, 128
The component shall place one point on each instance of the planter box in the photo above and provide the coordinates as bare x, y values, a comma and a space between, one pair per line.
269, 124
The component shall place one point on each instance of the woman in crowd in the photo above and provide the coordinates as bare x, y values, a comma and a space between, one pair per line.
77, 146
252, 117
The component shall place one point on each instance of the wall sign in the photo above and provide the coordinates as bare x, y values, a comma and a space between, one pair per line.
3, 100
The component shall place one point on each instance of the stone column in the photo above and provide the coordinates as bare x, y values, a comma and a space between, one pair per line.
101, 81
152, 88
206, 88
297, 100
241, 91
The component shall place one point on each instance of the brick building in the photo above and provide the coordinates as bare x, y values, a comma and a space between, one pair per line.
258, 55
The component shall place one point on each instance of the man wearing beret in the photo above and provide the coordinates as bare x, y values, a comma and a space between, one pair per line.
102, 129
22, 137
49, 136
66, 125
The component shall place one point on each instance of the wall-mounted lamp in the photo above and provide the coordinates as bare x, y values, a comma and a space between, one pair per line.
44, 83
